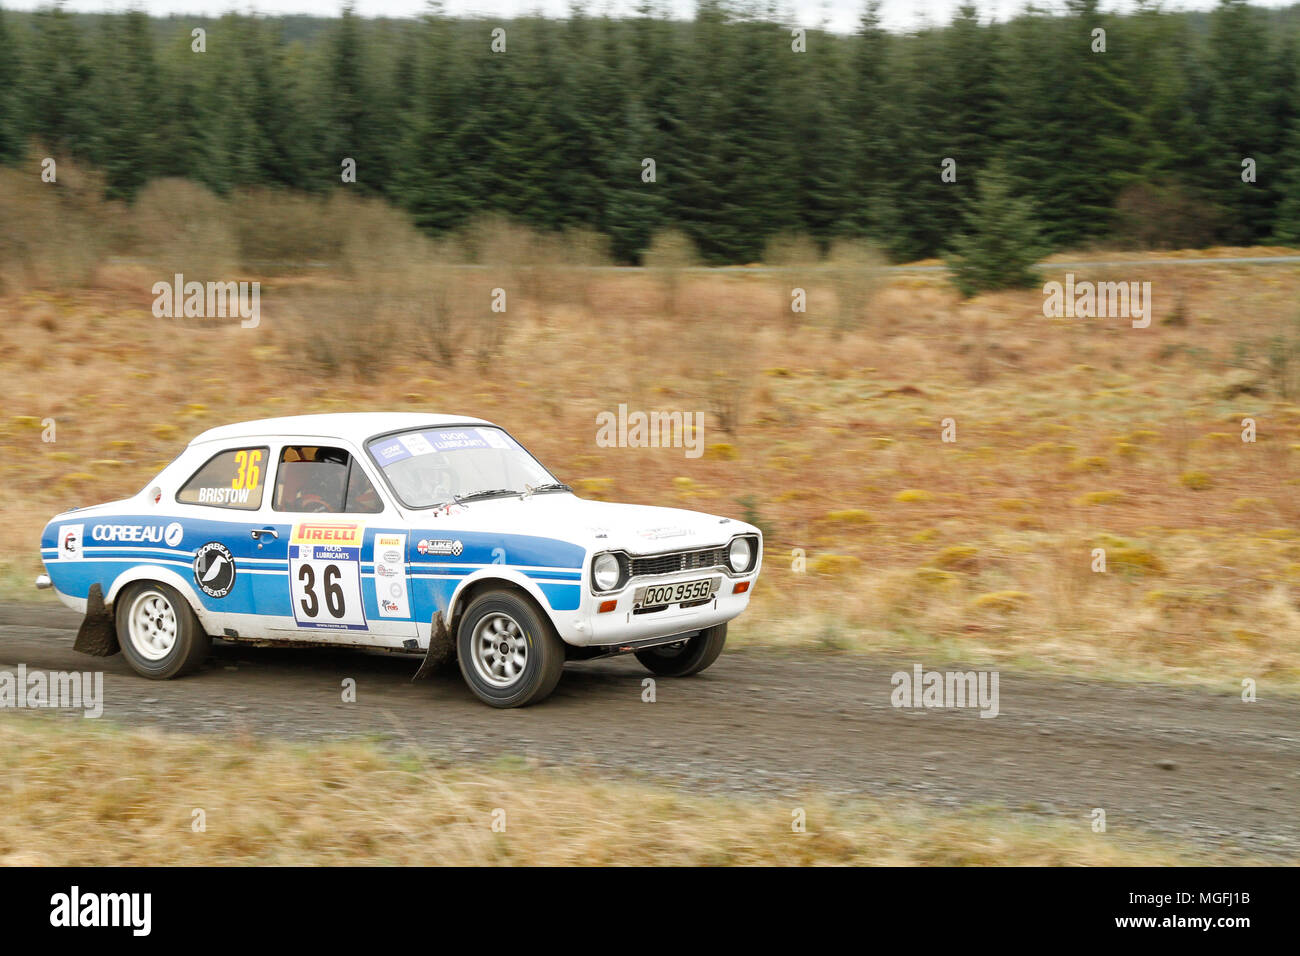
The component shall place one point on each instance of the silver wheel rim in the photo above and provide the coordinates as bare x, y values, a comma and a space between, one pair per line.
500, 649
151, 625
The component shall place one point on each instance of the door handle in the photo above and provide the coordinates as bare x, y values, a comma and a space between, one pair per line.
258, 532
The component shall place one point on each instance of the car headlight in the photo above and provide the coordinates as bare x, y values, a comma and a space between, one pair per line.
740, 554
605, 572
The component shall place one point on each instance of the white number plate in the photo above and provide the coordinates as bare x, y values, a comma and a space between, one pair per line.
661, 595
325, 583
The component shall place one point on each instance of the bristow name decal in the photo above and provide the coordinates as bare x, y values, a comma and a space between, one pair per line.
224, 496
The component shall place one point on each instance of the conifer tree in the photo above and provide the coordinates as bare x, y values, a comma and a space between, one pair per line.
999, 242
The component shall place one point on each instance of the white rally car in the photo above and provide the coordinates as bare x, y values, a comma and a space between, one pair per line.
408, 532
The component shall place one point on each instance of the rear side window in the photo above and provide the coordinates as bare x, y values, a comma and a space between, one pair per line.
323, 480
229, 479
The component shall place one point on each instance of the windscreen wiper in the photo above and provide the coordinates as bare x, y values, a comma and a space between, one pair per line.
549, 486
490, 493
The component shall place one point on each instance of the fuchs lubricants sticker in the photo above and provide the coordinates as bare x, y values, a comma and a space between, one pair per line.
390, 575
325, 575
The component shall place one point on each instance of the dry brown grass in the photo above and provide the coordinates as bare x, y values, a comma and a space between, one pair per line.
77, 796
53, 234
1071, 434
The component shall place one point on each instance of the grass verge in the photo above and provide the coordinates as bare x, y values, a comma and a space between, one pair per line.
72, 794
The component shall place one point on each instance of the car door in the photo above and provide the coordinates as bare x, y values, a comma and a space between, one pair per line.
340, 547
217, 508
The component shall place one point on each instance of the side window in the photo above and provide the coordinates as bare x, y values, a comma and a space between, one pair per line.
322, 480
362, 497
229, 479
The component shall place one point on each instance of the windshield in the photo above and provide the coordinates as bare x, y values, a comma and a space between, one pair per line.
434, 466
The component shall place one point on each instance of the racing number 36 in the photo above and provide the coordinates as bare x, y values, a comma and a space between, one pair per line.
248, 461
335, 602
325, 581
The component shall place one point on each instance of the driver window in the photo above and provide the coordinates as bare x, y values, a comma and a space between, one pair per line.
323, 480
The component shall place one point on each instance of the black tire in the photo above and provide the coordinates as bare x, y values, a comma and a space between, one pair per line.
530, 666
150, 600
688, 657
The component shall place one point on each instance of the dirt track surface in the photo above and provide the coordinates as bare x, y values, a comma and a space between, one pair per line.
1201, 767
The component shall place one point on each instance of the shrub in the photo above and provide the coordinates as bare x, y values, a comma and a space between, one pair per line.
279, 230
913, 494
1000, 242
180, 227
957, 557
52, 235
1002, 601
833, 564
857, 272
1099, 498
849, 516
670, 255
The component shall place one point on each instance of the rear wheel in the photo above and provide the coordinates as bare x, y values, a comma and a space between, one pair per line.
159, 635
685, 657
509, 654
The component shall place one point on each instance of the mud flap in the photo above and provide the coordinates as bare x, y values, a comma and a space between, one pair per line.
441, 652
97, 635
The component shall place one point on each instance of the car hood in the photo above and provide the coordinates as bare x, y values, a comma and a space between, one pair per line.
598, 525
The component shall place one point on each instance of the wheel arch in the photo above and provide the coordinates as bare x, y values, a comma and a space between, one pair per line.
501, 579
162, 575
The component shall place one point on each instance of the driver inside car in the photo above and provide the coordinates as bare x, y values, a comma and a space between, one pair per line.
314, 482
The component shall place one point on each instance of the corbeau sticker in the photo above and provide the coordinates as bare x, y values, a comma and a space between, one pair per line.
214, 569
145, 534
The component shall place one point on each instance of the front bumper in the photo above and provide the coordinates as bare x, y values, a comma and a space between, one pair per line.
589, 627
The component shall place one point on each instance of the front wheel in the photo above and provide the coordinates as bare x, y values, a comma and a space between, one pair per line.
509, 654
685, 657
159, 635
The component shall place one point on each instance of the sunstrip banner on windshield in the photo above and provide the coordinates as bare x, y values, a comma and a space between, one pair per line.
400, 447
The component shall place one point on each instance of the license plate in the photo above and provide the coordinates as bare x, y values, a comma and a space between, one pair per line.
661, 595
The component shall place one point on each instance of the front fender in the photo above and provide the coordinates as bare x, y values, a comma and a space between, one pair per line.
498, 573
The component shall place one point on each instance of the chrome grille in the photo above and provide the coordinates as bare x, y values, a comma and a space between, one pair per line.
675, 561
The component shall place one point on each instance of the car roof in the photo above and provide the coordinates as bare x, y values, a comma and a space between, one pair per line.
351, 426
